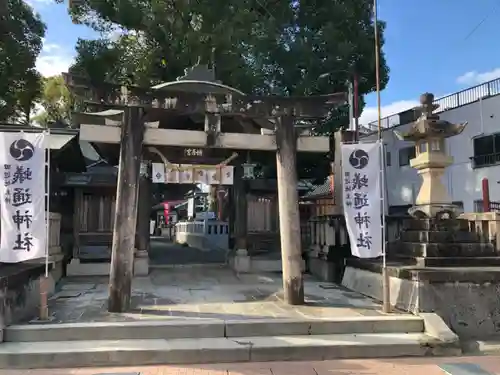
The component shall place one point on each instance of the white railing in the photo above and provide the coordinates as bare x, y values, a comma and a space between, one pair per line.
203, 234
446, 103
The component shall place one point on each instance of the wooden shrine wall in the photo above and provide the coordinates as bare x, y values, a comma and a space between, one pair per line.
262, 223
94, 210
97, 211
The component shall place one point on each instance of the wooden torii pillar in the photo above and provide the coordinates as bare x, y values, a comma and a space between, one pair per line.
125, 224
286, 112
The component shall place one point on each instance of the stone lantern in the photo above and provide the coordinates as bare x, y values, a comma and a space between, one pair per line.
248, 171
429, 134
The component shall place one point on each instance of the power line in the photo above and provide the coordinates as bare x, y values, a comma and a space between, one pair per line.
483, 20
458, 44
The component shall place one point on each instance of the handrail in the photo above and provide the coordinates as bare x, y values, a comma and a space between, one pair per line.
448, 102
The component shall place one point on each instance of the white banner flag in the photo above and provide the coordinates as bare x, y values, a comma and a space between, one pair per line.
361, 198
22, 193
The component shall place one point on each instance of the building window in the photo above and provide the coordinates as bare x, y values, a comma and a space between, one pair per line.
486, 150
405, 155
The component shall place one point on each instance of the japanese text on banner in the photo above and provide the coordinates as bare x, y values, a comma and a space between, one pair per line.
361, 196
22, 192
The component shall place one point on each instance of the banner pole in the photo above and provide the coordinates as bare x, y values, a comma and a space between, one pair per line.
44, 281
47, 213
386, 302
386, 289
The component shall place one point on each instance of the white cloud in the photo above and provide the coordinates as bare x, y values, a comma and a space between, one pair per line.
50, 47
53, 60
371, 113
475, 78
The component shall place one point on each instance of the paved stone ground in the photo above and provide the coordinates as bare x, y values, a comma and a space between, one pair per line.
164, 252
417, 366
208, 292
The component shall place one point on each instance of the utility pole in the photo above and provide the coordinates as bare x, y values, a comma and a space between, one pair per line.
124, 228
288, 202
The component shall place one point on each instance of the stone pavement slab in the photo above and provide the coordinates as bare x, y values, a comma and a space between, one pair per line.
209, 293
413, 366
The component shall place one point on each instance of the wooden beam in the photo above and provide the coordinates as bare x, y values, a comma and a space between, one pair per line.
110, 94
122, 258
197, 139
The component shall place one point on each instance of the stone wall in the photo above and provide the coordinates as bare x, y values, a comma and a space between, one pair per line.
19, 292
471, 309
467, 300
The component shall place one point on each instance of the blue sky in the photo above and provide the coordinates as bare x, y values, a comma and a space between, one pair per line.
440, 46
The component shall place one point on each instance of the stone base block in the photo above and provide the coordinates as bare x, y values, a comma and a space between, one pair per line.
141, 266
77, 268
324, 270
465, 298
243, 263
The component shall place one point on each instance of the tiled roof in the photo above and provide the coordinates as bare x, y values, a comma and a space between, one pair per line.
320, 190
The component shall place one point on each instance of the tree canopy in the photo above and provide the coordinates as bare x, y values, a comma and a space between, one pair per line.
304, 47
21, 33
56, 101
299, 48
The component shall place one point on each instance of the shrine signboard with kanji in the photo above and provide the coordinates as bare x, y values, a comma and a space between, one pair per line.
362, 198
193, 152
23, 192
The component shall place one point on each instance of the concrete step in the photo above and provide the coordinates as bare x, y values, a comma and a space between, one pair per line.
191, 329
135, 352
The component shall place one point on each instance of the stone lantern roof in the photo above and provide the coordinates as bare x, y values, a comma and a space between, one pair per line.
429, 125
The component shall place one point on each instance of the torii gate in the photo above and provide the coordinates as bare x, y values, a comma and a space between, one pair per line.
278, 114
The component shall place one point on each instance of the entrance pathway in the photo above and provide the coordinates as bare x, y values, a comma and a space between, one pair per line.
208, 292
417, 366
163, 252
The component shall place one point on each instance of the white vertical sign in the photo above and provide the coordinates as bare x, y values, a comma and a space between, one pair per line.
22, 193
157, 173
361, 197
190, 208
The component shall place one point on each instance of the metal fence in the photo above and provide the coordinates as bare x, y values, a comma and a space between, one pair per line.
446, 103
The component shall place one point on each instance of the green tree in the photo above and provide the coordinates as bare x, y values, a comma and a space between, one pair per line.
98, 59
21, 33
57, 102
305, 47
28, 95
259, 47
